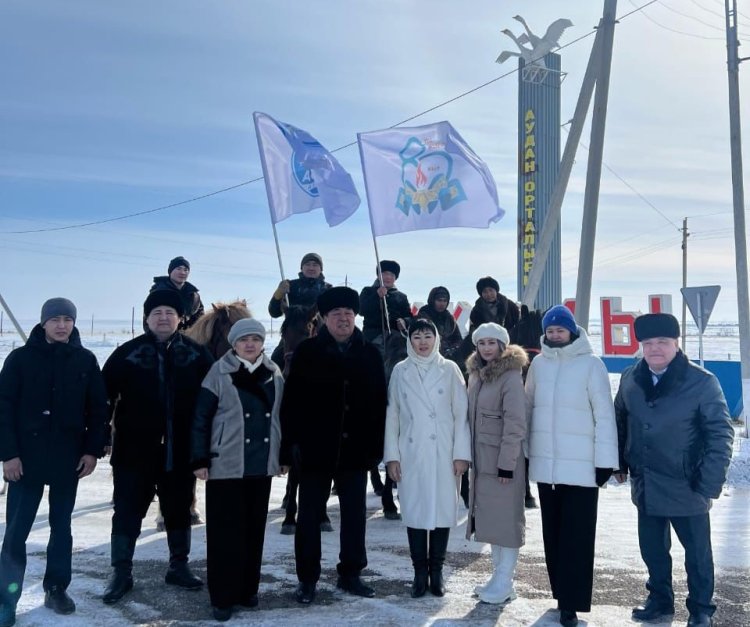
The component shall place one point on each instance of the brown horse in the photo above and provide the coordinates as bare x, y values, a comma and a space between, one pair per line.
212, 328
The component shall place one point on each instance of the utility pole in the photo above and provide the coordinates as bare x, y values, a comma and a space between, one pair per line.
594, 171
738, 195
685, 235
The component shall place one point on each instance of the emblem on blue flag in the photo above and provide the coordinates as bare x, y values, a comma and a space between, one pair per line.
426, 178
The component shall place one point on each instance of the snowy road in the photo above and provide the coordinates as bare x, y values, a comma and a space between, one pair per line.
618, 581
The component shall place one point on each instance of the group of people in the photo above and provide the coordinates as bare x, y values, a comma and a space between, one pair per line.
339, 404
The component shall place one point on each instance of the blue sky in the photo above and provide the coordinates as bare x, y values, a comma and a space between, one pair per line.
114, 108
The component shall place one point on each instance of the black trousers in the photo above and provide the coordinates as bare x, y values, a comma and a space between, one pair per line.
22, 505
292, 484
314, 488
655, 540
236, 512
569, 533
134, 491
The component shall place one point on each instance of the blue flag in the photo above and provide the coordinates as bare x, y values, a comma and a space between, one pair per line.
301, 175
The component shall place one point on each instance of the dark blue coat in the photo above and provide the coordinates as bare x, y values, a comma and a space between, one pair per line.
675, 438
53, 407
303, 291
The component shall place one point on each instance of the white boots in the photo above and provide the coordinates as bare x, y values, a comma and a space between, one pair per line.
499, 589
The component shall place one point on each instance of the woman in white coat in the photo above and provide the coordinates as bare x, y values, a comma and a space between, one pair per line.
427, 449
572, 452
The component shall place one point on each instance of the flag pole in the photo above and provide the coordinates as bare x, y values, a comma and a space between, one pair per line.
264, 167
383, 304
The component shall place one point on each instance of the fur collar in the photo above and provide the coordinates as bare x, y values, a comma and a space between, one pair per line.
669, 380
513, 358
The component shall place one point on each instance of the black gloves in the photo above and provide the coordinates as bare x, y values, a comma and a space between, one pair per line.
603, 475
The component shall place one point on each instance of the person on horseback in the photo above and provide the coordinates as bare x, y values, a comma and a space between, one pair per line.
436, 310
176, 280
302, 291
384, 308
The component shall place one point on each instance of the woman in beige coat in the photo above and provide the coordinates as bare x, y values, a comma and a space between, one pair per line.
497, 418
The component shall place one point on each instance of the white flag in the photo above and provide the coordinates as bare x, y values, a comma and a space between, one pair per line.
300, 174
425, 177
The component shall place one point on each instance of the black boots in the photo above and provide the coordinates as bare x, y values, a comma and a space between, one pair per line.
57, 599
438, 548
418, 550
121, 581
179, 573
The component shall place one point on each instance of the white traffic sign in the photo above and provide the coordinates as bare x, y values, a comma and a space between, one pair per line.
701, 301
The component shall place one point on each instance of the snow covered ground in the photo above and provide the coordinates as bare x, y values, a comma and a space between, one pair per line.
618, 586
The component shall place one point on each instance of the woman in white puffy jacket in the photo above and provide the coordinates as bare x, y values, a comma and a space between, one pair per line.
572, 452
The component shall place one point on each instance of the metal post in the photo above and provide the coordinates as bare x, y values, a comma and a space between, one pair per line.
594, 171
132, 322
738, 195
552, 219
684, 283
700, 328
12, 318
92, 324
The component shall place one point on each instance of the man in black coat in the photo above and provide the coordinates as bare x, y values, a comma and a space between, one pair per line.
332, 426
675, 439
303, 291
436, 310
176, 280
53, 427
153, 383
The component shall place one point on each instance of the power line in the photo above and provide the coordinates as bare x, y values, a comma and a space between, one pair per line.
691, 17
350, 144
674, 30
700, 6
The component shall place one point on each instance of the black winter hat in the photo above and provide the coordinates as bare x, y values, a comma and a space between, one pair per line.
389, 266
338, 297
652, 325
438, 292
176, 263
312, 257
57, 307
163, 298
487, 281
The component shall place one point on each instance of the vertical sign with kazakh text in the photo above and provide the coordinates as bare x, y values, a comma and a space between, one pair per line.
539, 164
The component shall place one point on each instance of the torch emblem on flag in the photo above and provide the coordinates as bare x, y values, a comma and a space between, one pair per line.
426, 178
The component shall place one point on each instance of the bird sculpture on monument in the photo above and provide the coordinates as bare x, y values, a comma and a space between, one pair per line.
540, 46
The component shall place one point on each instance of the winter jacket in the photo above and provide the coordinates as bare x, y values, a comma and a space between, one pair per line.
191, 300
426, 430
506, 315
497, 417
53, 407
675, 437
450, 334
303, 291
333, 410
226, 406
572, 430
152, 388
370, 309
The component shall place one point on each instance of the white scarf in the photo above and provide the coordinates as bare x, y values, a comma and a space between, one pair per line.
423, 364
252, 367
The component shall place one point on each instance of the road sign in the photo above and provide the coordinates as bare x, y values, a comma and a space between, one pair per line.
701, 301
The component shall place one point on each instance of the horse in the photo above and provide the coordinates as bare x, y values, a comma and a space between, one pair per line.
211, 330
300, 323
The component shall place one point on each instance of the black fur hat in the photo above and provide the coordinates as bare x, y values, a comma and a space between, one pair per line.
656, 325
487, 281
389, 266
338, 297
